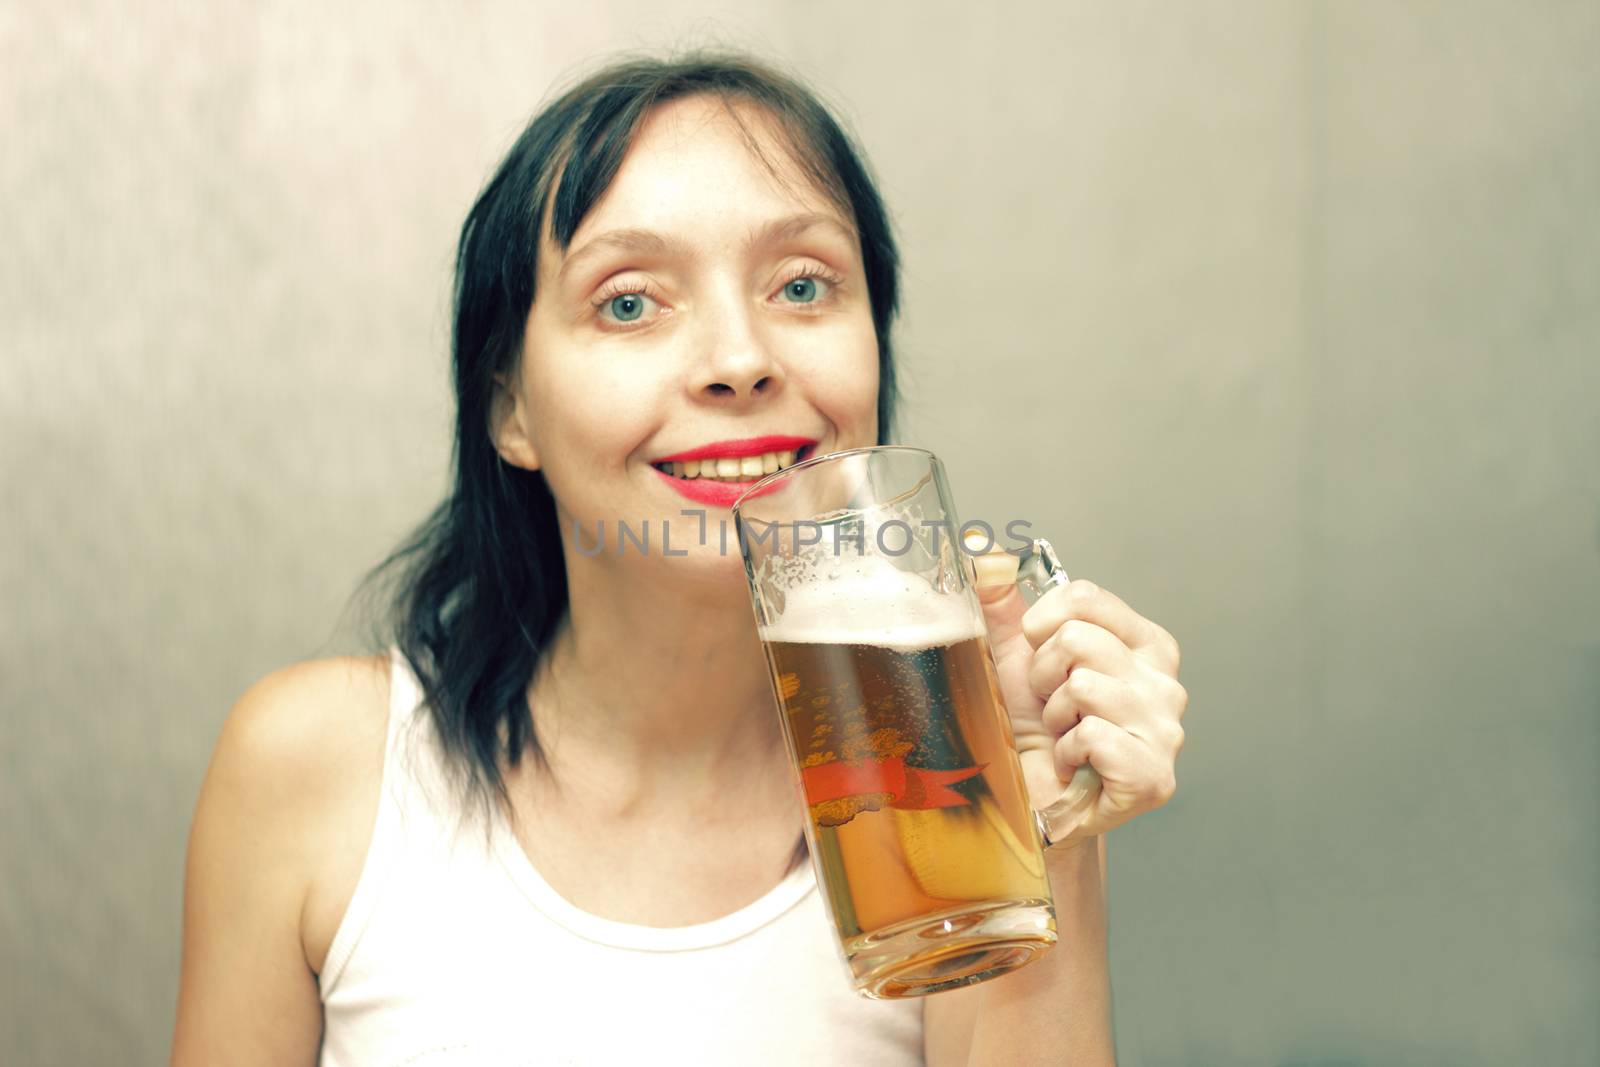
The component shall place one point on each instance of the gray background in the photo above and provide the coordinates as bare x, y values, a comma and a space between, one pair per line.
1283, 319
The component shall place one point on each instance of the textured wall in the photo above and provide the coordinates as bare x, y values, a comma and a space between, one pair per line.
1283, 319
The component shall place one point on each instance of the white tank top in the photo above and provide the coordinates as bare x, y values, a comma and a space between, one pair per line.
455, 951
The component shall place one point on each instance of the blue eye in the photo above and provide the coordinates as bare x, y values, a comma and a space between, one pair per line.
626, 307
802, 290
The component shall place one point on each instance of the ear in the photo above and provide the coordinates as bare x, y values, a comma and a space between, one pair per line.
508, 427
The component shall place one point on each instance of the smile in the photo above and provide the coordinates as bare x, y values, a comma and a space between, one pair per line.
729, 469
718, 474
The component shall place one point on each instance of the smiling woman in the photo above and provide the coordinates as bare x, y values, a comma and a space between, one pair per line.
713, 281
559, 800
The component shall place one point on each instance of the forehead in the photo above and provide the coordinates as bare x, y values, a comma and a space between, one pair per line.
699, 165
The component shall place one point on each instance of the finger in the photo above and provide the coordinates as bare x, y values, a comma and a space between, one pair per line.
1172, 694
995, 582
1141, 777
1079, 644
1155, 720
1084, 600
1003, 609
1088, 692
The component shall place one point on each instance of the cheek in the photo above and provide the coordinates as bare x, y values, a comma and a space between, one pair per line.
588, 422
839, 371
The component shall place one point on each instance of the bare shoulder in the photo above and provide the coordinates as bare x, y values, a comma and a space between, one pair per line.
314, 734
298, 768
304, 721
300, 741
277, 844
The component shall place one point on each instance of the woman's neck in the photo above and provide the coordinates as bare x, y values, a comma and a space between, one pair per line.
656, 684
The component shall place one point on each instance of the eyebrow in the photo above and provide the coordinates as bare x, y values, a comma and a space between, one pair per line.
643, 242
780, 230
648, 242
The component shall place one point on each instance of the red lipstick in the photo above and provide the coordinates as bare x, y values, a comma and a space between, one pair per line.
716, 493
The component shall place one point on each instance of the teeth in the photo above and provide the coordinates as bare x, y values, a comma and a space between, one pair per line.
744, 468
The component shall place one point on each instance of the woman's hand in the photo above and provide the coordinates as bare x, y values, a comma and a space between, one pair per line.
1088, 680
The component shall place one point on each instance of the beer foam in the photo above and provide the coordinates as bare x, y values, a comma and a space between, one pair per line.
866, 600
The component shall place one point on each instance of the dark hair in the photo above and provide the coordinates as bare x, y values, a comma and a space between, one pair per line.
481, 584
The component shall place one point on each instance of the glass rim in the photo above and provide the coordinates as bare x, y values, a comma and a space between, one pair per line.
825, 458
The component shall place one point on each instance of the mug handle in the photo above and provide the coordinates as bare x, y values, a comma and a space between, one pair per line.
1038, 571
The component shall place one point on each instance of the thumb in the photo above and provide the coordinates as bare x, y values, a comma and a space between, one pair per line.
998, 593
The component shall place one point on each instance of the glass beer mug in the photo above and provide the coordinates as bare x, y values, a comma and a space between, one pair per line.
926, 849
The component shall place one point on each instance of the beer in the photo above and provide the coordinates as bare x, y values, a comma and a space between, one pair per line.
919, 818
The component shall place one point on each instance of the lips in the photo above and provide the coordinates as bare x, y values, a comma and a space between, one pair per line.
739, 449
718, 474
731, 468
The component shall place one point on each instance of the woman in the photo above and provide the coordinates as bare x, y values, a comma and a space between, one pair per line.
556, 824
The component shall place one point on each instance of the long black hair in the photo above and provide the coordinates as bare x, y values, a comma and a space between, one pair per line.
480, 586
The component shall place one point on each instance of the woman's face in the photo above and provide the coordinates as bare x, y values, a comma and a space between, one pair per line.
703, 305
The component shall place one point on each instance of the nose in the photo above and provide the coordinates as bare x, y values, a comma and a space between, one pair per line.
735, 365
